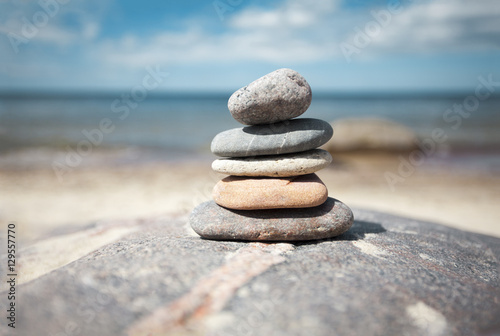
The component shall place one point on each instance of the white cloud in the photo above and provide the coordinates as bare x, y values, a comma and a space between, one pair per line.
438, 26
309, 31
56, 24
90, 30
291, 14
55, 36
292, 32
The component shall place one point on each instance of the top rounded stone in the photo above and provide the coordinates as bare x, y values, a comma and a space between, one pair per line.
280, 95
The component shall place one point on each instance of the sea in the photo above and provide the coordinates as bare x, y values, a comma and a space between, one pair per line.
177, 126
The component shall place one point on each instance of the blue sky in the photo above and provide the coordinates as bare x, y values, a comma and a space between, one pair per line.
351, 46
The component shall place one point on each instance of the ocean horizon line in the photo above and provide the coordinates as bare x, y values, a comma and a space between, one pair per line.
206, 94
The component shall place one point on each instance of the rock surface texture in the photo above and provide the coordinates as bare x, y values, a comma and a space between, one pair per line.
387, 276
280, 95
275, 165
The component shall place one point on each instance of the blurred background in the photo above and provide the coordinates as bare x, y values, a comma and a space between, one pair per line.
107, 108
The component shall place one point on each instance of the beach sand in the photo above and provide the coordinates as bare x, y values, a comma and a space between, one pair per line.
40, 204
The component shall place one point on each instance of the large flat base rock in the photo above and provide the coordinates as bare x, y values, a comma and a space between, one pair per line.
327, 220
385, 276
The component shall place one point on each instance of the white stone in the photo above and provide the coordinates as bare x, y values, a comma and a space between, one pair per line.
275, 165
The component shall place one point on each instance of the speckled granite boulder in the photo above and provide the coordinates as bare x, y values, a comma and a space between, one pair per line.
289, 136
280, 95
386, 275
275, 165
330, 219
258, 193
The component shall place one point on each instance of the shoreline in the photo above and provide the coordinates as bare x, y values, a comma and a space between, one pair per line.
26, 157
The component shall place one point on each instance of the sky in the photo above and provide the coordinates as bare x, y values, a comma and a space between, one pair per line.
222, 45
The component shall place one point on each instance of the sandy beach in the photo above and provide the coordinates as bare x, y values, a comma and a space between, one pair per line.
39, 203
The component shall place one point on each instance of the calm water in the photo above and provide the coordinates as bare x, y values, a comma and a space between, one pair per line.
187, 123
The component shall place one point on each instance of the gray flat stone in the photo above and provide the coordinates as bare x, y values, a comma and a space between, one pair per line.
327, 220
289, 136
387, 275
275, 165
280, 95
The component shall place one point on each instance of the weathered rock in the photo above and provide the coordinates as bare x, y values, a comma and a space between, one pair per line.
371, 135
289, 136
386, 275
280, 95
256, 193
275, 165
327, 220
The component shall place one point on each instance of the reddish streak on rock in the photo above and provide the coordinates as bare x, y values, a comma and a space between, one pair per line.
211, 293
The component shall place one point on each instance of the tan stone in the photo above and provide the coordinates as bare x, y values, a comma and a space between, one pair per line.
256, 193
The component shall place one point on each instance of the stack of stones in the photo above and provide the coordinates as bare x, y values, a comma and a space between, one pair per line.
272, 192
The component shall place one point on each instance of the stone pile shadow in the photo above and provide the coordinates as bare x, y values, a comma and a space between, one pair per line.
357, 231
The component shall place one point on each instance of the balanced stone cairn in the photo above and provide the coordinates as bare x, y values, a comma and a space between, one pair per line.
272, 192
